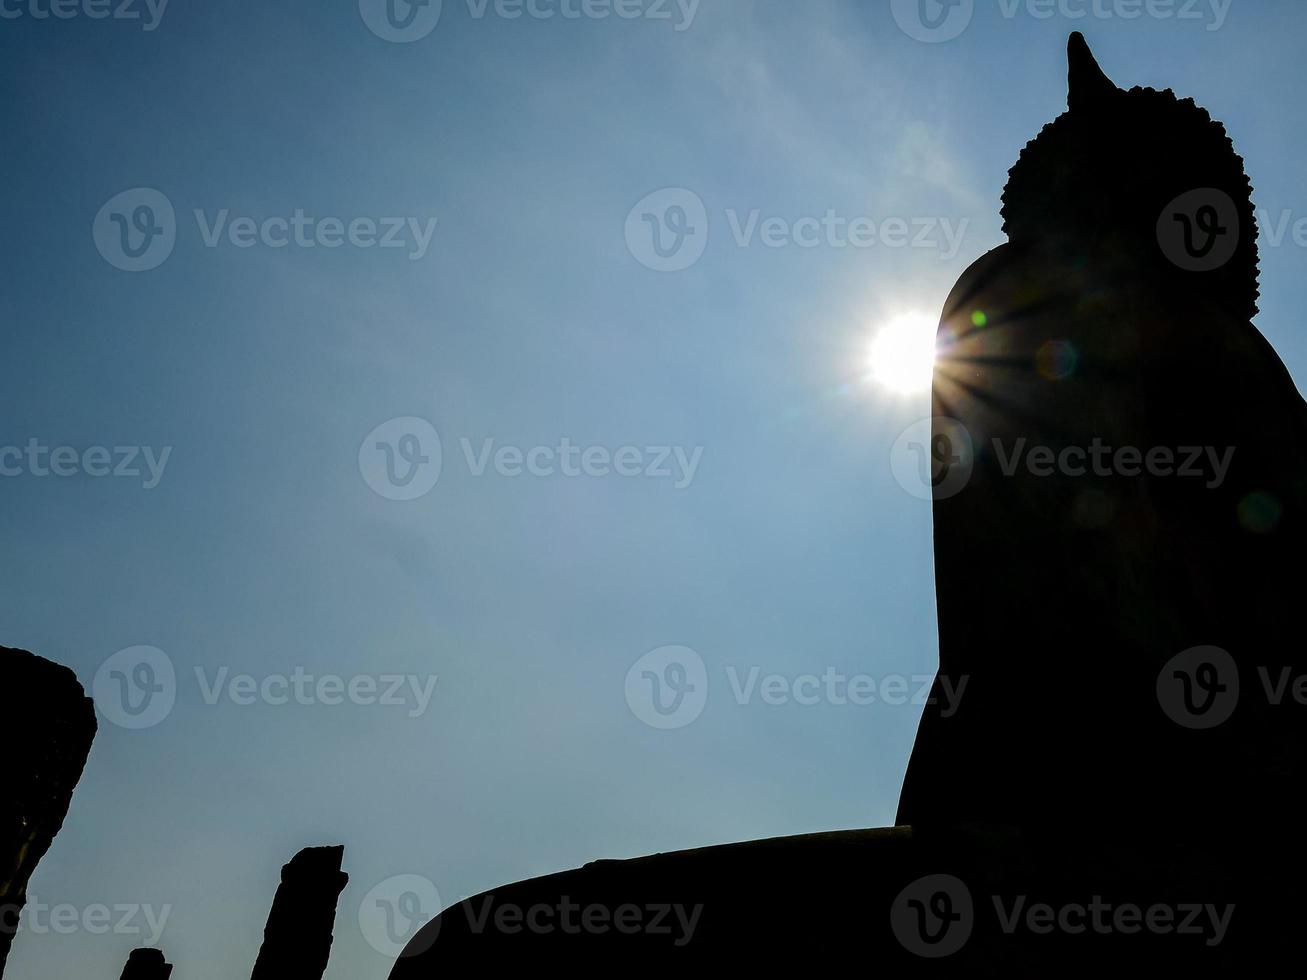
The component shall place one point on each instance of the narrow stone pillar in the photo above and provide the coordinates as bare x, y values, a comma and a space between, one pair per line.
48, 725
297, 939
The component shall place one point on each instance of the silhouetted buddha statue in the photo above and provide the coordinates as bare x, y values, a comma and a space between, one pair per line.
1123, 482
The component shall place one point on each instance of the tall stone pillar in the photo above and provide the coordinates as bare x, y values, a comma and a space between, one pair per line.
48, 724
297, 939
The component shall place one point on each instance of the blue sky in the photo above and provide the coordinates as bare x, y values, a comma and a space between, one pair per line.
529, 317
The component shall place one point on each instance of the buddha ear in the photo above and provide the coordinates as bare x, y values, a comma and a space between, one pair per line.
1086, 83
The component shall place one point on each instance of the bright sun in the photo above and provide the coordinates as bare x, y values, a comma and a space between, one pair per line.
903, 353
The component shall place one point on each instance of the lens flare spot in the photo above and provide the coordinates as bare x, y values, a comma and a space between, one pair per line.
1057, 359
1259, 513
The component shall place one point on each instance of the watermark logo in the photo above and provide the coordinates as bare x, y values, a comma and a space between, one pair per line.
136, 230
667, 231
932, 459
1199, 230
401, 21
667, 688
395, 911
933, 21
1199, 688
135, 688
401, 459
933, 916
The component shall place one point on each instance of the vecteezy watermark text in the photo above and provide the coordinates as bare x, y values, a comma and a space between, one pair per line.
835, 688
675, 463
934, 459
96, 919
36, 459
301, 687
136, 231
934, 917
836, 231
675, 921
1098, 458
402, 459
668, 230
396, 910
305, 231
668, 688
1212, 13
137, 688
934, 21
1104, 918
656, 10
406, 21
148, 12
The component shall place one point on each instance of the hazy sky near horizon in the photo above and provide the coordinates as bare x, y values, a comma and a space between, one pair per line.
737, 499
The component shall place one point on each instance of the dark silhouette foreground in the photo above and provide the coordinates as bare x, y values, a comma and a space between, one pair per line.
49, 724
297, 938
146, 964
1062, 598
1105, 795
